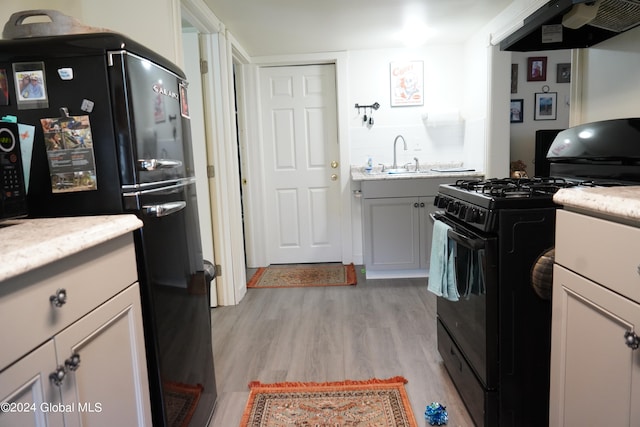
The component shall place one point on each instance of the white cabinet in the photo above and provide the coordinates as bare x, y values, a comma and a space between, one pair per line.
95, 344
397, 233
396, 226
595, 374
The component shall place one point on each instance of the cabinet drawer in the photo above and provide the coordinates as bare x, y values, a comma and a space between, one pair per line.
603, 251
28, 317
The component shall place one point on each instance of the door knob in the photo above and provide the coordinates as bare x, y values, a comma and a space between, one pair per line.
334, 164
334, 177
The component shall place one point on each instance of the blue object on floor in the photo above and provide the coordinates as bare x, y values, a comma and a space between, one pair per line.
436, 414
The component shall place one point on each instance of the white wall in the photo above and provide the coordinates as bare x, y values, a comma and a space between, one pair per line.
153, 23
523, 134
610, 81
434, 140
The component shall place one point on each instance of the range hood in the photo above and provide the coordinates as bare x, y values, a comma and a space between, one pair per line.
570, 24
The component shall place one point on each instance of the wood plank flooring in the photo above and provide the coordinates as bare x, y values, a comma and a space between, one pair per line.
379, 328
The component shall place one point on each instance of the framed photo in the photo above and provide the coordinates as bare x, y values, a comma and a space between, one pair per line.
537, 69
545, 106
407, 83
564, 73
30, 85
516, 114
514, 78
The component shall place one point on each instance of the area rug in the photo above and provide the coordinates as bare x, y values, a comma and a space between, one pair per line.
369, 403
301, 275
180, 402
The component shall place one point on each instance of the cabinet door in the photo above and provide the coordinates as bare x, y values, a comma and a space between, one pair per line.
392, 233
31, 397
595, 376
110, 385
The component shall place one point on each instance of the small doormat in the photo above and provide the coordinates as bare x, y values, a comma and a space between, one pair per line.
180, 402
301, 275
370, 403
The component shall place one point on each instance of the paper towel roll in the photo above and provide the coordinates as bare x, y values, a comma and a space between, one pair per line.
441, 118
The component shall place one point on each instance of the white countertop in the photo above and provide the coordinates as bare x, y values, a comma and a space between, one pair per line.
27, 244
358, 173
618, 202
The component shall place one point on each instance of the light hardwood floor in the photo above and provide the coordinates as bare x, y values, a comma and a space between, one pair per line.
379, 328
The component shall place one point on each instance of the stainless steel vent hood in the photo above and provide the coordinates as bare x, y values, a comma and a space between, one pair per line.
570, 24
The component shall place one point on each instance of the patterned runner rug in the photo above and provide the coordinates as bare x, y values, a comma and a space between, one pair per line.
301, 275
370, 403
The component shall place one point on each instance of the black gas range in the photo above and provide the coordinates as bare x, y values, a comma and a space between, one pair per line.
495, 336
476, 201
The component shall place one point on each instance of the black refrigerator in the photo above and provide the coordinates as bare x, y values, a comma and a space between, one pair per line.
111, 135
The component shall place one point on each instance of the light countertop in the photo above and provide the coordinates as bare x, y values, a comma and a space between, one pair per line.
27, 244
617, 202
358, 173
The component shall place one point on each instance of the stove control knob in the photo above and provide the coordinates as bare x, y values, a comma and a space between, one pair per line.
463, 212
449, 206
442, 202
472, 215
481, 217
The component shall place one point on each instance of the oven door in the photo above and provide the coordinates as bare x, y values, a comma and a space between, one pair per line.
472, 321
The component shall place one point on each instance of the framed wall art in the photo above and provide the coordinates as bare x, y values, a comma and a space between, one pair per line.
514, 78
537, 69
563, 73
407, 83
516, 112
545, 106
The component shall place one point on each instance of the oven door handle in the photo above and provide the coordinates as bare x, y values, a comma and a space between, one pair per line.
164, 209
469, 242
472, 243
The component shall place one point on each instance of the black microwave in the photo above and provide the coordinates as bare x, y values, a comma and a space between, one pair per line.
13, 202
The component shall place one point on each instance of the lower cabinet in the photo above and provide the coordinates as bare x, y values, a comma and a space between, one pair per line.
595, 377
91, 371
595, 359
397, 234
91, 374
396, 226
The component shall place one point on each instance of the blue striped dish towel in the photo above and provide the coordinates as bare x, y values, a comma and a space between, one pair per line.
442, 271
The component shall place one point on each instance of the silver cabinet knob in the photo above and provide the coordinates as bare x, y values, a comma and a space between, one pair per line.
632, 340
73, 362
59, 298
334, 177
57, 376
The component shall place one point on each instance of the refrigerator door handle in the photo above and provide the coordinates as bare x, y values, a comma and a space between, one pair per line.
153, 164
164, 209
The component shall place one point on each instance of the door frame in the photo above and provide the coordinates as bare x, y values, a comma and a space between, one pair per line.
217, 48
256, 248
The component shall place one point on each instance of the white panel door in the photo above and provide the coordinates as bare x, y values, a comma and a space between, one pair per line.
301, 164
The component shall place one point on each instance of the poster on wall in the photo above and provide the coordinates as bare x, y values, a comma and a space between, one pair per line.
407, 83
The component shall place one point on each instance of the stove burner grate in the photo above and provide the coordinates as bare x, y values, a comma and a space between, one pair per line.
515, 187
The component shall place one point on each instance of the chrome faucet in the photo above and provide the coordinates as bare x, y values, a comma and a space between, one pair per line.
395, 161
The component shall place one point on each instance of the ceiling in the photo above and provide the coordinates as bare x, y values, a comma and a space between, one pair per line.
274, 27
